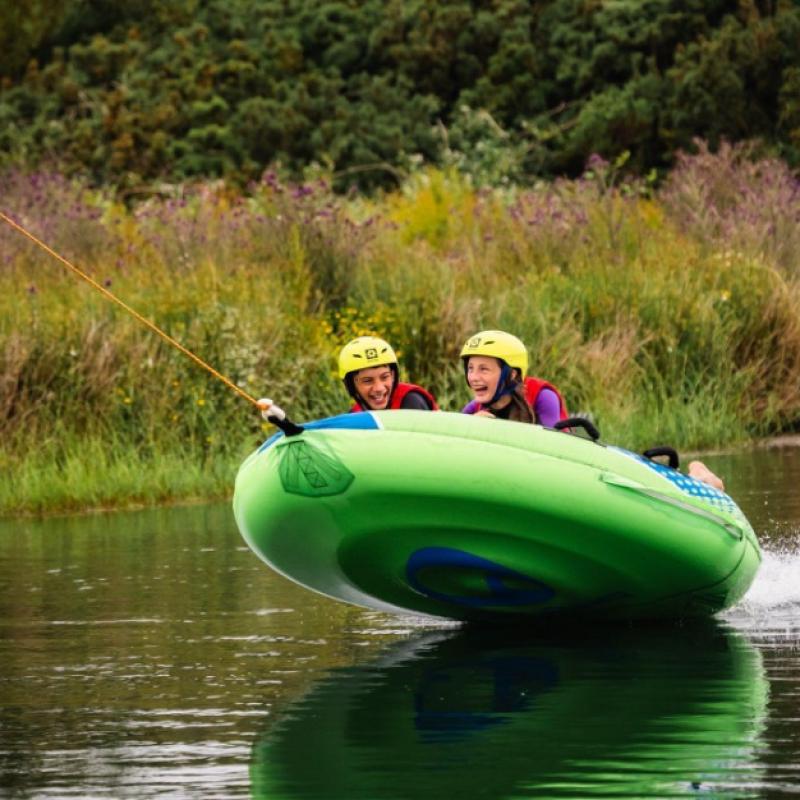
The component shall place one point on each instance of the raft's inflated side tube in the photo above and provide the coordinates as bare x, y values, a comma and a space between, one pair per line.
467, 517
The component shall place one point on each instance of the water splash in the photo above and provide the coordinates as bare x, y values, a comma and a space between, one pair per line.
772, 605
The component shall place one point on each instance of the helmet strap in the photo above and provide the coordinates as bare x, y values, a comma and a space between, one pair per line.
350, 384
395, 381
504, 384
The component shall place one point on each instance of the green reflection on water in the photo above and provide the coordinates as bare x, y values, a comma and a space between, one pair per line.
472, 715
143, 650
145, 653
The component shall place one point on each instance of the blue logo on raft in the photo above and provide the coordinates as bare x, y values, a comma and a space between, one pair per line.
362, 421
461, 568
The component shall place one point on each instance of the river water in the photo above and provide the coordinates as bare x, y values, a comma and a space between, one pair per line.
151, 654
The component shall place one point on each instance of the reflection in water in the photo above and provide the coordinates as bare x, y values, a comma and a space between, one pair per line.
144, 654
139, 653
614, 712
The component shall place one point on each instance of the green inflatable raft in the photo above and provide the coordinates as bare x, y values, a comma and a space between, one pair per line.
472, 518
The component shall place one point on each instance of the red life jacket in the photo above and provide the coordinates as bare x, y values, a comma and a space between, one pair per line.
400, 391
532, 388
535, 385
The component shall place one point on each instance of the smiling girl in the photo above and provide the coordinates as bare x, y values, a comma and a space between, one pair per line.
368, 367
495, 363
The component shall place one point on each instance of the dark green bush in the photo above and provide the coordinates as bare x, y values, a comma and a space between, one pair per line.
145, 90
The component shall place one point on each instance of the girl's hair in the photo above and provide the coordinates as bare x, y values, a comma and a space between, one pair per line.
521, 410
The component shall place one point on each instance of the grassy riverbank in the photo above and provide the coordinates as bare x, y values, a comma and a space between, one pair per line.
671, 316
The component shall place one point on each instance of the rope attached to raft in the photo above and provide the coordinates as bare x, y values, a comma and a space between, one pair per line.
269, 410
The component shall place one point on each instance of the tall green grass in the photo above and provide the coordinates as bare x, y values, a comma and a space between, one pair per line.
75, 473
663, 328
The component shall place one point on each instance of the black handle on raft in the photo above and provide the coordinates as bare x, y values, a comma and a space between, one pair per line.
287, 426
578, 422
670, 452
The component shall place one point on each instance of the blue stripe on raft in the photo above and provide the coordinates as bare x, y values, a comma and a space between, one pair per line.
468, 571
361, 421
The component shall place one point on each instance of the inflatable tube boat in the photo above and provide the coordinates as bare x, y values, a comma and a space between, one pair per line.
471, 518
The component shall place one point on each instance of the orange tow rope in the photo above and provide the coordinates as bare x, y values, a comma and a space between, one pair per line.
153, 327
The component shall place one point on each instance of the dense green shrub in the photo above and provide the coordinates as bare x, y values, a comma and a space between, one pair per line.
141, 91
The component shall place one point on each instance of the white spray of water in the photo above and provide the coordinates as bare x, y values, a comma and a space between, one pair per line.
772, 605
778, 580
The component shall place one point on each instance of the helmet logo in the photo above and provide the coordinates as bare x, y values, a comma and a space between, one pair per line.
474, 342
371, 353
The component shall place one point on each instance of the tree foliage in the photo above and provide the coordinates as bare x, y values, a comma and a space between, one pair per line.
136, 91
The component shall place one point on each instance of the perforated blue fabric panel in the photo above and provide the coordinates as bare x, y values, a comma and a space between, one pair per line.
685, 483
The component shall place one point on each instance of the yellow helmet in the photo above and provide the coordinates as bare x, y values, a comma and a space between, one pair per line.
365, 352
498, 344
